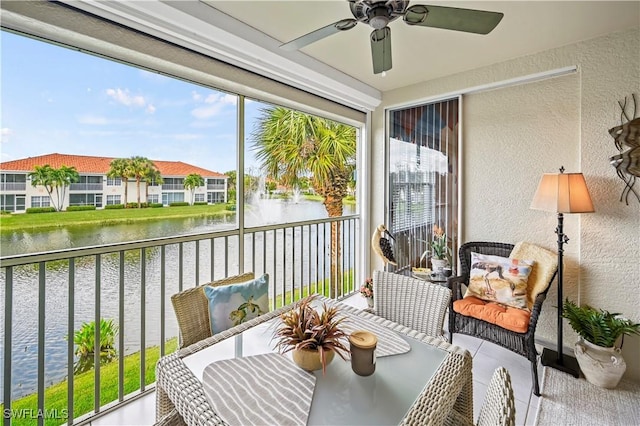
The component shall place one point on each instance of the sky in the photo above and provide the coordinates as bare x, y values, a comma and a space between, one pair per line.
55, 99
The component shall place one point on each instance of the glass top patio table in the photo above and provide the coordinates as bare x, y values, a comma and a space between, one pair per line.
341, 396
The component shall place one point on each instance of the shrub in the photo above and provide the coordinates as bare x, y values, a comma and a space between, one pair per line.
80, 208
114, 206
178, 204
4, 212
84, 339
134, 205
200, 203
41, 209
155, 205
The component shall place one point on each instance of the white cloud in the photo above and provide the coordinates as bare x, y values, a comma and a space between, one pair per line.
215, 102
151, 109
206, 111
196, 96
125, 98
5, 132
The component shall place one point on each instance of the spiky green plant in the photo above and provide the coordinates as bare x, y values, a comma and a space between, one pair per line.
598, 326
304, 328
84, 339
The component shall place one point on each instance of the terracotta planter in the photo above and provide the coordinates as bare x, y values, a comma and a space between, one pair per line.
601, 366
310, 359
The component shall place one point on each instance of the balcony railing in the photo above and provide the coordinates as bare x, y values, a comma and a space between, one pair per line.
13, 186
86, 187
47, 296
218, 186
173, 186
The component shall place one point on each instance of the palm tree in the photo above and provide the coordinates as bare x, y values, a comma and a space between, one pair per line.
63, 178
43, 175
293, 145
152, 174
139, 168
191, 182
54, 180
119, 168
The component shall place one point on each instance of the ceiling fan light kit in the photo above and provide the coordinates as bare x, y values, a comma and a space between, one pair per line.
379, 13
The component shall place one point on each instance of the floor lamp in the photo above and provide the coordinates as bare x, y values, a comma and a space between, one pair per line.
562, 193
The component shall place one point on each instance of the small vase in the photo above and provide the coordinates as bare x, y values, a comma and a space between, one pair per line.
437, 265
369, 302
601, 366
309, 360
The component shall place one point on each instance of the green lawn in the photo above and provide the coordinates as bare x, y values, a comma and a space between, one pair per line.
28, 221
83, 386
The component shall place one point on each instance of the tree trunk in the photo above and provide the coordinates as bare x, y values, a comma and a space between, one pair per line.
333, 204
138, 191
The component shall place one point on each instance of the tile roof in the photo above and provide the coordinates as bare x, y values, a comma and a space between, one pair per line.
100, 165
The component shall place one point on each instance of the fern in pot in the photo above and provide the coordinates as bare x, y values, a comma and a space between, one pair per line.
601, 334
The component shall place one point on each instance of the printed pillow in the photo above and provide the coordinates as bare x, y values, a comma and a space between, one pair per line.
499, 279
233, 304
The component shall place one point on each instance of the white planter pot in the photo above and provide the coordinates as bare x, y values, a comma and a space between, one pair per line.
603, 367
437, 265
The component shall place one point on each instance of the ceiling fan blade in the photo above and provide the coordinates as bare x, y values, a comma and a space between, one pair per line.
453, 18
381, 50
320, 33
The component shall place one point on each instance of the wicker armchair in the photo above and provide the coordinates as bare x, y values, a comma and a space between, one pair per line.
520, 343
498, 408
416, 304
192, 310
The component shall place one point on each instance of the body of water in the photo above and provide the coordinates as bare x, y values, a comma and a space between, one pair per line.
25, 279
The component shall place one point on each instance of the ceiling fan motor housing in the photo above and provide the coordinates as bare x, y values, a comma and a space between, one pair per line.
378, 13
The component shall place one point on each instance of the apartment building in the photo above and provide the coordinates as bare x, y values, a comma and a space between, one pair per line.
95, 188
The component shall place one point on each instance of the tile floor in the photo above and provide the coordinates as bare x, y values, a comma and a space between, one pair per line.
486, 358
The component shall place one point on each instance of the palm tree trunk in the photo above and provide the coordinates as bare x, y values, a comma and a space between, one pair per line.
333, 205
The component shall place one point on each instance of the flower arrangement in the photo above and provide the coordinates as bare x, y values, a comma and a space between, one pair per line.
366, 289
304, 328
439, 248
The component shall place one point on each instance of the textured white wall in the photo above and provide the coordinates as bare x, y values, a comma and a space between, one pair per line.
512, 135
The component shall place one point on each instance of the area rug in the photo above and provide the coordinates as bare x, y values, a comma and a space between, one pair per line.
566, 400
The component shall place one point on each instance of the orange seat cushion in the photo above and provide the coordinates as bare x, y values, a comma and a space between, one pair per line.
513, 319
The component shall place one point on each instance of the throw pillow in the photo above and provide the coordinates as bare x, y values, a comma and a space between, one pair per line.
499, 279
233, 304
546, 265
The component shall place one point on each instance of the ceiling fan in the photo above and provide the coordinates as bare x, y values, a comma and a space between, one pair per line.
379, 13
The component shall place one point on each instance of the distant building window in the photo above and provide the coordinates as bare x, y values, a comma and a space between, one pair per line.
152, 182
172, 197
199, 198
85, 200
12, 203
153, 198
113, 199
215, 197
40, 201
114, 182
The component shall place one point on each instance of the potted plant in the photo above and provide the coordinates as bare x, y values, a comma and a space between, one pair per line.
313, 337
440, 251
598, 350
366, 291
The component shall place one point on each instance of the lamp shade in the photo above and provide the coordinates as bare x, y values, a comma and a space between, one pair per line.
563, 193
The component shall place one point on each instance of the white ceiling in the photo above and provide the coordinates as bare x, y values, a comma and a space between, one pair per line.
421, 53
248, 33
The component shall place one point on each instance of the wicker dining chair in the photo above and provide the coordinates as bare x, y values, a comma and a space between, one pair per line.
498, 408
521, 343
191, 307
414, 303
